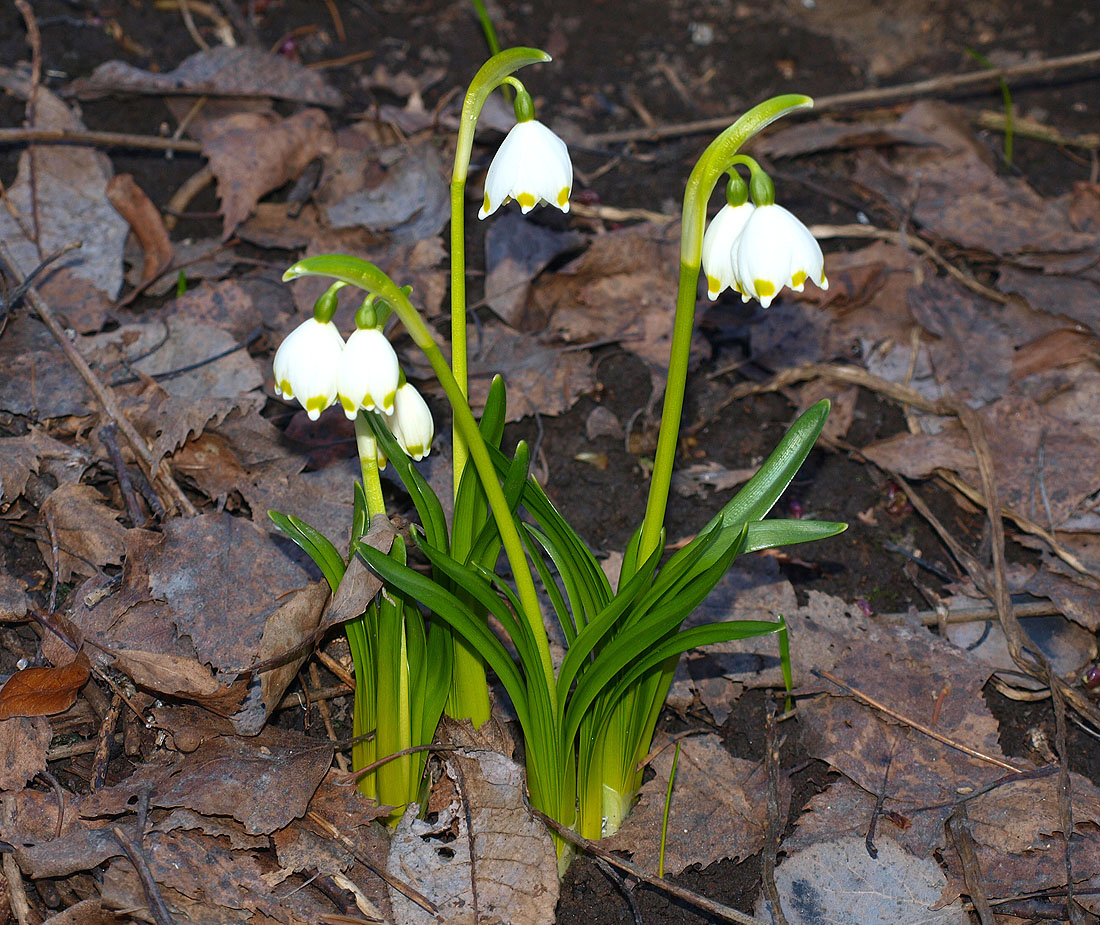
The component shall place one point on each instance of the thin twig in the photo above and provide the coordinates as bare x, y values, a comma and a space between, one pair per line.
471, 841
326, 717
593, 848
958, 825
102, 392
920, 727
625, 888
773, 829
122, 473
56, 136
873, 96
134, 852
35, 39
403, 888
1065, 790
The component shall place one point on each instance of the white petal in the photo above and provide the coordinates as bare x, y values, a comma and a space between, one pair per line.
776, 250
531, 166
369, 373
719, 243
411, 422
306, 365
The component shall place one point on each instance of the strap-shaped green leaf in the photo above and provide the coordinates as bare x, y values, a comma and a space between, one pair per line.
768, 534
760, 493
449, 608
315, 545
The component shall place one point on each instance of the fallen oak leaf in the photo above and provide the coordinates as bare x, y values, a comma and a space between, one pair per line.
43, 691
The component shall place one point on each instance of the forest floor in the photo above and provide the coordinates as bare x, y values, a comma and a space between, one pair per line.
943, 750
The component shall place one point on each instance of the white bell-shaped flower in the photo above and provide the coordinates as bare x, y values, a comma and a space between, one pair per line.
369, 373
531, 166
306, 365
411, 422
719, 244
775, 250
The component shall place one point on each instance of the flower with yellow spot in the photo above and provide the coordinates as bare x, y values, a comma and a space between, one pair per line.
531, 166
775, 250
369, 373
411, 422
306, 365
718, 248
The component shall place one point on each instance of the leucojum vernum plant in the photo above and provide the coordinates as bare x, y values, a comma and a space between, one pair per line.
425, 642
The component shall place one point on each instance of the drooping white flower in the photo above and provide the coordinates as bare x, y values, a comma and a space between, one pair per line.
775, 250
306, 365
531, 166
719, 244
411, 422
369, 373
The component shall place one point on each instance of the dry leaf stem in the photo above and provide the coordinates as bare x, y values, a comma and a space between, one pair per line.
101, 139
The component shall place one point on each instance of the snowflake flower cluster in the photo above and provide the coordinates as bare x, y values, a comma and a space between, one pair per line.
316, 366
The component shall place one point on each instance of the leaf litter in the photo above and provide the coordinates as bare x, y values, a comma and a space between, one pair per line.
186, 610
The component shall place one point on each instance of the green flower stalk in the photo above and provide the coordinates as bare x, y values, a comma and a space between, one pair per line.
469, 698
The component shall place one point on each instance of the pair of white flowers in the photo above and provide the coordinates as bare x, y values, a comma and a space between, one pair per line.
315, 366
757, 250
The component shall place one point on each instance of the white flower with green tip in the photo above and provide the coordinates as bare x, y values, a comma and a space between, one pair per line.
369, 373
531, 166
306, 365
719, 244
411, 422
775, 250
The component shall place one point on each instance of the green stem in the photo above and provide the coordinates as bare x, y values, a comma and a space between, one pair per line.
714, 162
494, 72
368, 464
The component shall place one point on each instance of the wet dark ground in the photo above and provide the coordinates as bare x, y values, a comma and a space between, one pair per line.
607, 61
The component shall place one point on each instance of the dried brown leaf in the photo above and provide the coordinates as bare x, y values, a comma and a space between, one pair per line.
202, 880
70, 190
23, 744
718, 808
251, 155
144, 219
516, 866
541, 379
43, 691
37, 452
89, 535
219, 71
838, 881
1021, 433
223, 777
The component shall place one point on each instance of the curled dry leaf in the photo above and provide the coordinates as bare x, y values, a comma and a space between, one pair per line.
144, 219
43, 691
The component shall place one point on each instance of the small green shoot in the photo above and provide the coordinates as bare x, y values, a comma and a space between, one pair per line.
664, 818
